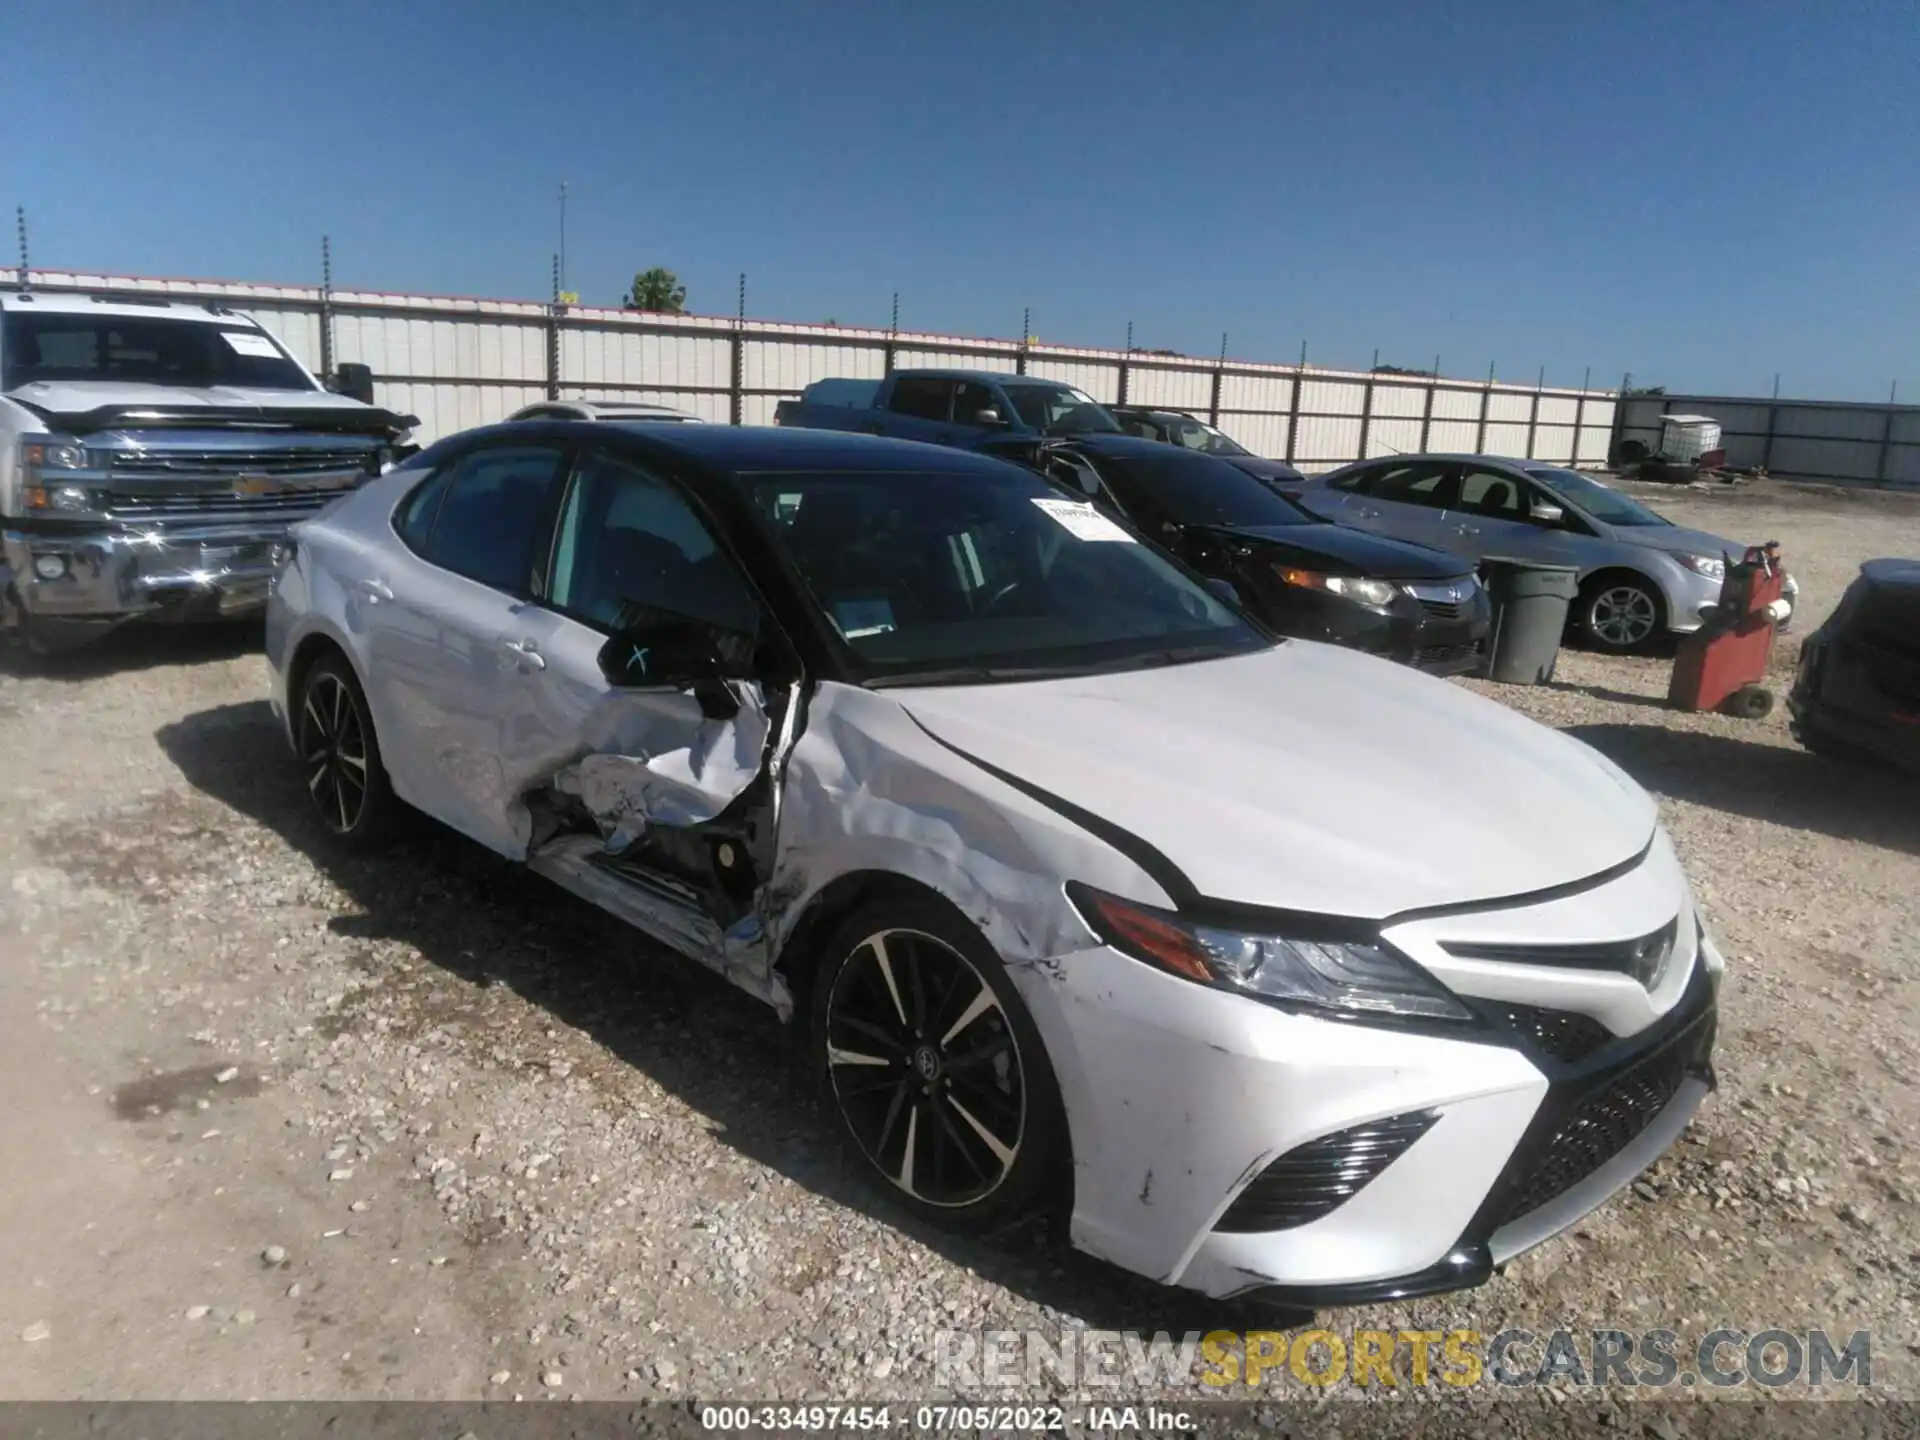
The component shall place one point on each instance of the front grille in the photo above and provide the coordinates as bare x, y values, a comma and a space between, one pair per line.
1599, 1127
1443, 610
301, 463
1435, 657
132, 505
1565, 1035
1644, 957
1315, 1179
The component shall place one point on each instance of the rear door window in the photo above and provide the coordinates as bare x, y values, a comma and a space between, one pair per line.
922, 397
494, 512
1425, 485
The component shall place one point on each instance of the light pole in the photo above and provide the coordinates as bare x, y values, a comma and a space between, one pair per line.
563, 234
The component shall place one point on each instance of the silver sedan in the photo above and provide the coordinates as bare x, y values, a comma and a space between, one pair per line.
1641, 576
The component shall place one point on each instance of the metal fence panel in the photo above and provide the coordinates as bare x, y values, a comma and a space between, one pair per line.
1507, 405
1333, 397
1262, 434
1399, 400
1555, 443
1190, 390
1327, 440
1098, 378
1453, 437
1840, 459
1829, 423
1559, 410
792, 365
1506, 439
1271, 393
1392, 436
1456, 405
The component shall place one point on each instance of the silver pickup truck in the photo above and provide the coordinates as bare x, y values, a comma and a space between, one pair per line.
153, 454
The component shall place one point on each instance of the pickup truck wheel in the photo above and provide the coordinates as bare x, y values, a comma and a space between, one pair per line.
340, 756
936, 1071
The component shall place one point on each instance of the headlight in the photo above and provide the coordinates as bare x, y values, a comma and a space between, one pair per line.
62, 499
1711, 566
1378, 593
1351, 977
52, 452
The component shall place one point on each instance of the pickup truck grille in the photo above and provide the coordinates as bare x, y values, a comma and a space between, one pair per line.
125, 505
213, 483
316, 463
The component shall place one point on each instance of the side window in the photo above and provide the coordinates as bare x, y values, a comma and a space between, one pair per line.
629, 543
1411, 485
1358, 482
1494, 494
490, 516
969, 400
413, 520
922, 397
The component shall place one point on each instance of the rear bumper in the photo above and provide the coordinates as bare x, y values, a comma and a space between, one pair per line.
85, 579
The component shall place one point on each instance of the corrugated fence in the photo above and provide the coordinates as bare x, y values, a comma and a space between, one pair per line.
1813, 439
457, 363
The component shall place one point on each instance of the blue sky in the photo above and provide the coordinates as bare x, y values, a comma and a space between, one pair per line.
1703, 194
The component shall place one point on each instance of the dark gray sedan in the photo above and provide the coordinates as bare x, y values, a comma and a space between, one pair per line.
1641, 576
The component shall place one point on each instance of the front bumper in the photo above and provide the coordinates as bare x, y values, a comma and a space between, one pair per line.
96, 577
1449, 643
1180, 1097
1692, 601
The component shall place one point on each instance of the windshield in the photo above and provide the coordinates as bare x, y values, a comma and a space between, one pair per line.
1198, 435
1609, 507
953, 578
1195, 490
1060, 409
143, 350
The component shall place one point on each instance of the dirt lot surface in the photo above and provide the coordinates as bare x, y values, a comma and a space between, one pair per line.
282, 1124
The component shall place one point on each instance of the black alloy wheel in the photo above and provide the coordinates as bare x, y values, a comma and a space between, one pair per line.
934, 1066
339, 755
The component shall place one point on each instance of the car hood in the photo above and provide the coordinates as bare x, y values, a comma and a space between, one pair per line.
92, 405
1263, 469
1354, 552
1310, 778
1678, 541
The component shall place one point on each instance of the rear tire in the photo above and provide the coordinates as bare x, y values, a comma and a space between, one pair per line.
1620, 614
934, 1067
340, 756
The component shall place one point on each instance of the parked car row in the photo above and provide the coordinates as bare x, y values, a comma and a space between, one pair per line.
1048, 849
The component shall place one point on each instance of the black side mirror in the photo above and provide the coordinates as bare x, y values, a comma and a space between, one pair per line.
670, 655
355, 381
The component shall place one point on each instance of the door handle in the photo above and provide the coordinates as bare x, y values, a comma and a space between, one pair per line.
1367, 512
372, 591
526, 653
1466, 529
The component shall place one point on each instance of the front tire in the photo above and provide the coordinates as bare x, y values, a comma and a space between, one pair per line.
1620, 614
340, 756
933, 1065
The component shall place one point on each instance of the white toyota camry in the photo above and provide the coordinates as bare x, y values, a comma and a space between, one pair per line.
1283, 967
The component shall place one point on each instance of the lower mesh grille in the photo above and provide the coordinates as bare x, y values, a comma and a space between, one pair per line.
1315, 1179
1599, 1127
1433, 656
1566, 1035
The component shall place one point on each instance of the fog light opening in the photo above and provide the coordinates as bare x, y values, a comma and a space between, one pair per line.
50, 567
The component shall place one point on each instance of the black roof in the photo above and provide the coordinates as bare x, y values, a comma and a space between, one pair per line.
1892, 572
737, 449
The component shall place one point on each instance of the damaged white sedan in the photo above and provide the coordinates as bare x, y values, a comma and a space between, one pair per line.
1283, 967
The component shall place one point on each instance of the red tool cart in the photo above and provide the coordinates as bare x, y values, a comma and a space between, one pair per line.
1722, 664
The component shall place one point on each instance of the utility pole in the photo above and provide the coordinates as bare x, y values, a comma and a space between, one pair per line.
26, 274
563, 236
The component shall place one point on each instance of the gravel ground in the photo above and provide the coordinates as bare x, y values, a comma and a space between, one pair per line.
286, 1124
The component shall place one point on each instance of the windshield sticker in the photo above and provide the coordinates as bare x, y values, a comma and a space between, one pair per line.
857, 619
1081, 520
244, 343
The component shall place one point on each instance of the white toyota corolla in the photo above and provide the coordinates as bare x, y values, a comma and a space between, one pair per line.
1284, 967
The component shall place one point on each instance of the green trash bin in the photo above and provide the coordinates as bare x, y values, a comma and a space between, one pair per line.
1530, 604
